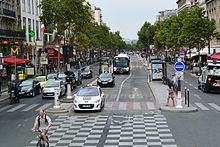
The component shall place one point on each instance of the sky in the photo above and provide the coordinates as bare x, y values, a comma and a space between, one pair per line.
128, 16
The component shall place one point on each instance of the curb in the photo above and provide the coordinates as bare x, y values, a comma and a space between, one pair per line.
60, 110
67, 100
183, 110
1, 100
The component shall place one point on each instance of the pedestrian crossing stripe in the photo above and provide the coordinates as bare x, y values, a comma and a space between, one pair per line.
45, 106
201, 106
214, 106
16, 108
30, 107
5, 107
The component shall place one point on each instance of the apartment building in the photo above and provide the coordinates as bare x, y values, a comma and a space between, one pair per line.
182, 4
97, 14
213, 12
166, 14
11, 34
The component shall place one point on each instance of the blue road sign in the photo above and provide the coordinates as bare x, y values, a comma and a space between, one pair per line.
179, 66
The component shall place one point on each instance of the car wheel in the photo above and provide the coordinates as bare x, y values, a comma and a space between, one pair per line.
204, 89
78, 83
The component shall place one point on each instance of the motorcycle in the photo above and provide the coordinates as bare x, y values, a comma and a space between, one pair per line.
13, 97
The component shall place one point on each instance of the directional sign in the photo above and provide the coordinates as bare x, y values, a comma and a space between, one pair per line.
31, 33
179, 66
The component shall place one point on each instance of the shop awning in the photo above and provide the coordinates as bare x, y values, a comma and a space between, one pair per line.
53, 53
12, 60
215, 57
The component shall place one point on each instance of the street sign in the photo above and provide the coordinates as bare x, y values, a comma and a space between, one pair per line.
44, 59
179, 66
31, 33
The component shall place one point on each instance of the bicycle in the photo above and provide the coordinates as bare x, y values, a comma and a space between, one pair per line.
40, 142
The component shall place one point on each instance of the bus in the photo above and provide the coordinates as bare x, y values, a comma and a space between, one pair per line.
121, 64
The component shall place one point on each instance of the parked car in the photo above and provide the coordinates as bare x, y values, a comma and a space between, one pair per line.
42, 80
78, 77
63, 77
29, 87
106, 79
49, 89
86, 72
89, 98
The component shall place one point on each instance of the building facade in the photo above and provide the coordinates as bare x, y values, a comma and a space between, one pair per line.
182, 4
166, 14
213, 12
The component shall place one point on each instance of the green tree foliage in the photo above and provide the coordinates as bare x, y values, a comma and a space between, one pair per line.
146, 34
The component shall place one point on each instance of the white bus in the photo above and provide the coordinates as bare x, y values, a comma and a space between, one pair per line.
121, 64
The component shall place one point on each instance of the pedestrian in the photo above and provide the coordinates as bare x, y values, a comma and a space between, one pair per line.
170, 90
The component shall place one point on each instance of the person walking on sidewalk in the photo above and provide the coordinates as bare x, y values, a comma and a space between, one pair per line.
170, 90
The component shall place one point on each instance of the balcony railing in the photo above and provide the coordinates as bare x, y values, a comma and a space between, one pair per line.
7, 13
12, 34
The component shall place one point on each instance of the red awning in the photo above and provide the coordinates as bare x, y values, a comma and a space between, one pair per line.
53, 53
215, 56
12, 60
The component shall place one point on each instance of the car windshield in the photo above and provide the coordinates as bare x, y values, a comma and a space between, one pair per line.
40, 79
52, 84
106, 75
86, 69
88, 92
51, 76
26, 83
76, 74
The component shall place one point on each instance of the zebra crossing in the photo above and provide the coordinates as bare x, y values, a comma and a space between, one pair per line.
109, 106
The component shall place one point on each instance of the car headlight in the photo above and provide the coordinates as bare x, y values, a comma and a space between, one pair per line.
127, 69
97, 101
110, 80
99, 80
115, 68
76, 101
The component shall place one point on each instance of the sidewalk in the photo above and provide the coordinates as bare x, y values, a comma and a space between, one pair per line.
160, 93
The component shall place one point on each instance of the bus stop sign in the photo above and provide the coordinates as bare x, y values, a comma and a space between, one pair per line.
179, 66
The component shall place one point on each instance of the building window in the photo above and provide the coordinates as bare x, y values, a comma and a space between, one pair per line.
36, 7
24, 26
32, 6
37, 30
29, 28
29, 6
23, 6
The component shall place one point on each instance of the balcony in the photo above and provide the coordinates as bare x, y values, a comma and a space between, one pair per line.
12, 34
7, 13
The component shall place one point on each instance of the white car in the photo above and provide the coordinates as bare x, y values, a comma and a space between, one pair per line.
49, 89
89, 98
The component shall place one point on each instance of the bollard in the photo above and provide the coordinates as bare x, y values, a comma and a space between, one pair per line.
188, 96
69, 91
56, 101
185, 95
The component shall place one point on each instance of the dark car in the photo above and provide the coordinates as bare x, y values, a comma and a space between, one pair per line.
63, 77
78, 77
106, 79
86, 72
29, 88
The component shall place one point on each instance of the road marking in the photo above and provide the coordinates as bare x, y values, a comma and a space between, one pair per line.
30, 107
122, 106
4, 108
44, 106
16, 108
195, 87
201, 106
119, 92
214, 106
191, 85
150, 105
197, 96
185, 81
136, 106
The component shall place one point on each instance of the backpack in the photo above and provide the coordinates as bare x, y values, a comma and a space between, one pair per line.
46, 121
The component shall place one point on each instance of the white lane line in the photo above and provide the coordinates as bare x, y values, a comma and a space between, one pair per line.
191, 85
16, 108
214, 106
119, 92
44, 106
197, 96
30, 107
150, 106
201, 106
195, 87
6, 107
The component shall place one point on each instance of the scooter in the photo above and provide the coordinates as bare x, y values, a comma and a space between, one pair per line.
13, 98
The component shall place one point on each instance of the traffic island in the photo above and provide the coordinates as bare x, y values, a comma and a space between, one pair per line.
66, 100
185, 109
64, 108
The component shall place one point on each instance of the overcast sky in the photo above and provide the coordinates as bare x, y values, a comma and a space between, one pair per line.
127, 16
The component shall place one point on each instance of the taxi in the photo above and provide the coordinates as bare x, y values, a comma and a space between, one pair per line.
42, 80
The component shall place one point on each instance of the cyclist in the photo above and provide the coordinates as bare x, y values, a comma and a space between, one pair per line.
43, 122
